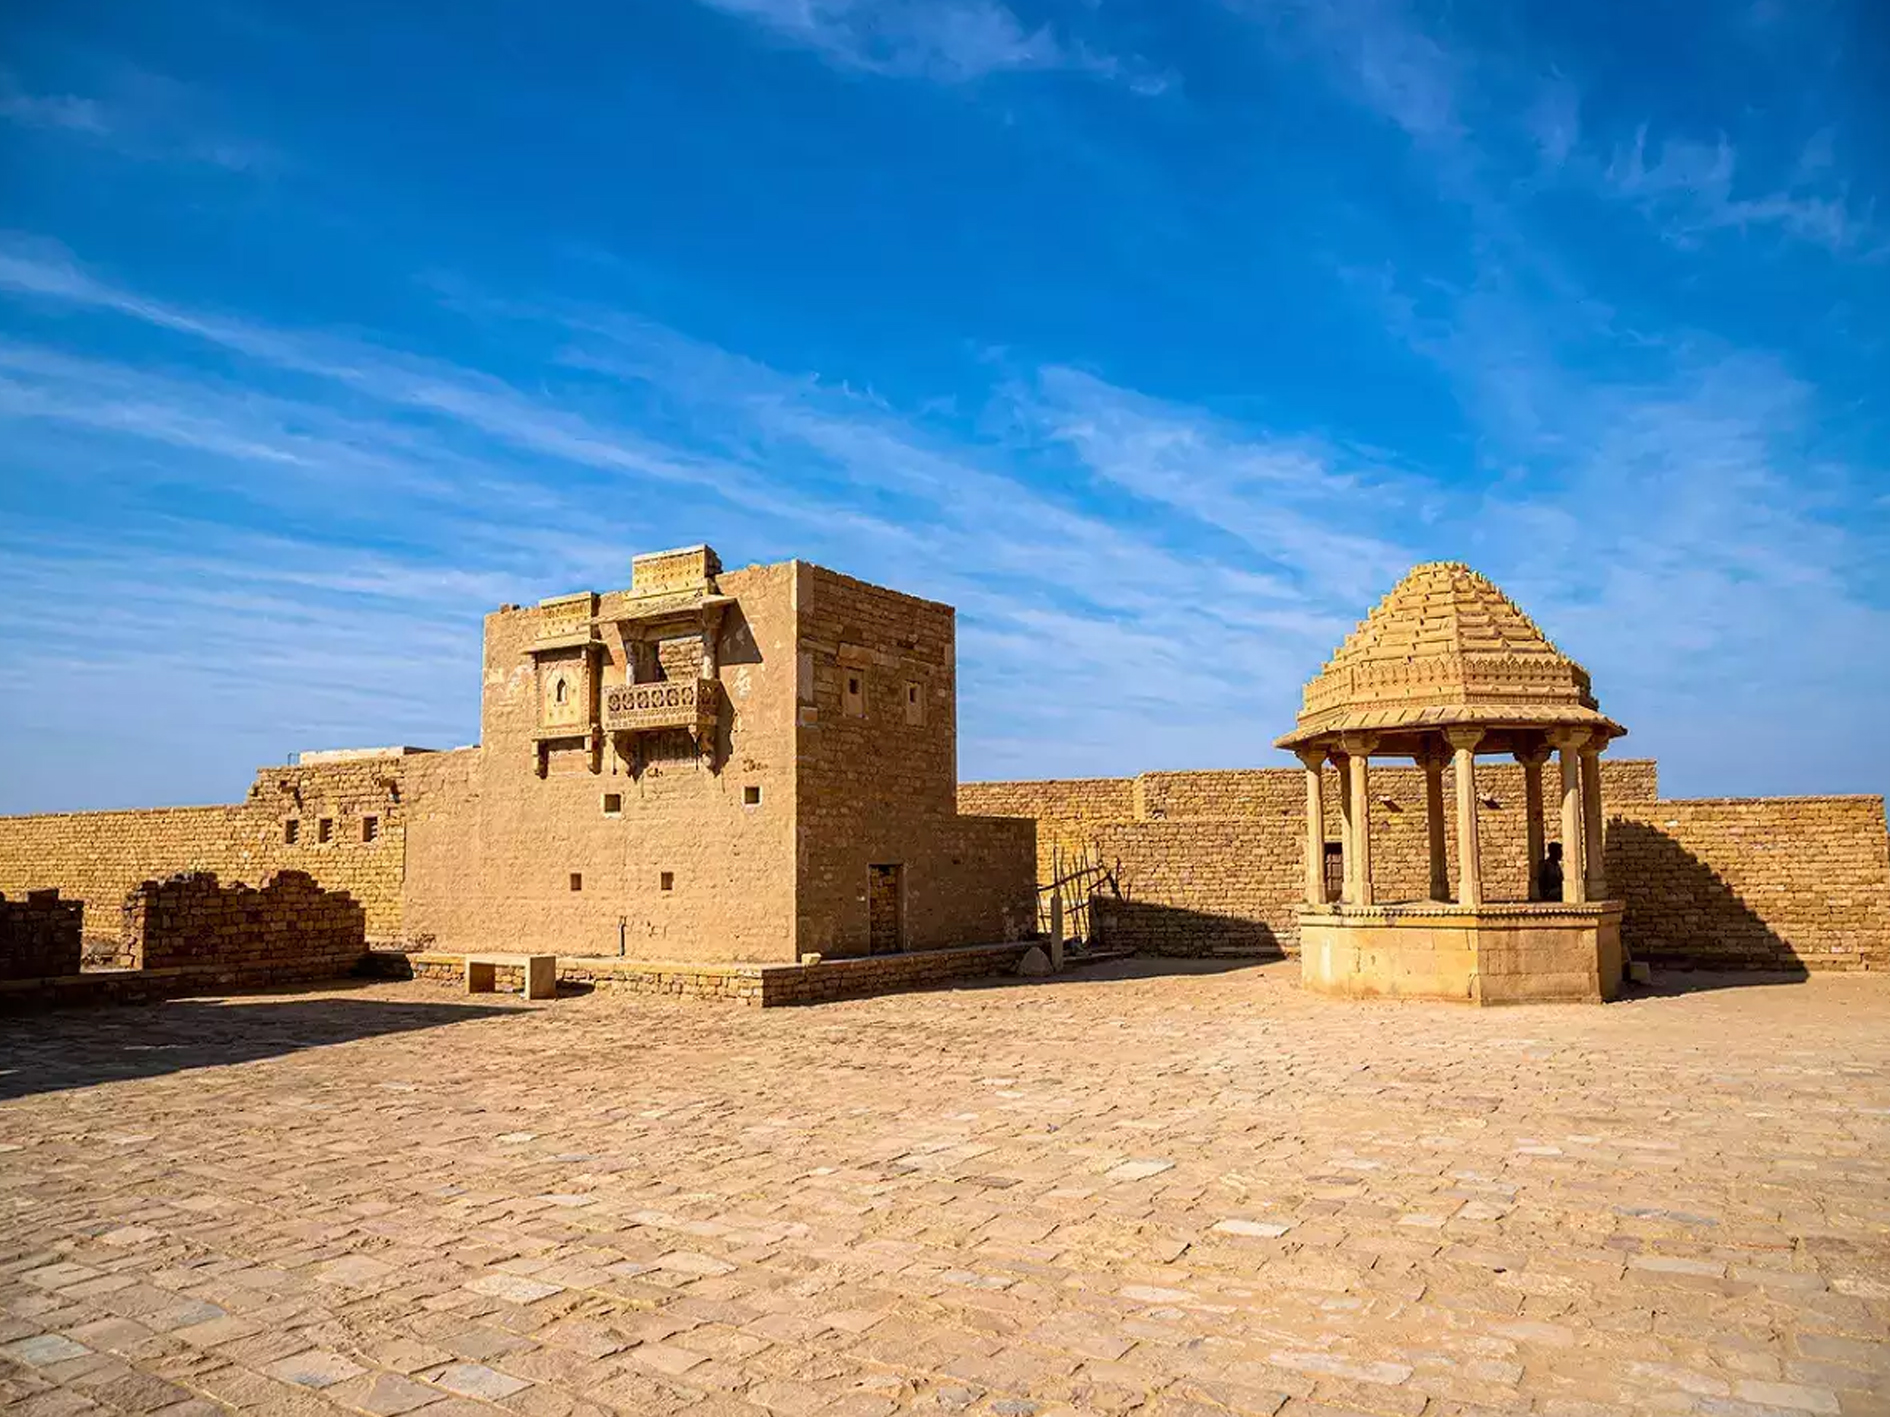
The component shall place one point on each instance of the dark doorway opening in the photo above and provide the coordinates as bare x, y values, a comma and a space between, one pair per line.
1335, 870
885, 909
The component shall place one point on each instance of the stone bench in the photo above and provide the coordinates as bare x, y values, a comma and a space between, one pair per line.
540, 973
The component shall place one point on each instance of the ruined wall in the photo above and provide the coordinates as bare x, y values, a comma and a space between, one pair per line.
576, 862
1764, 883
40, 936
878, 740
289, 930
97, 857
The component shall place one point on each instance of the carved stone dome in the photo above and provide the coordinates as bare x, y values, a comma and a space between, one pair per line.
1446, 648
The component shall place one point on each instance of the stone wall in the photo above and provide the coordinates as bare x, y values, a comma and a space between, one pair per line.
877, 748
1762, 883
1212, 861
97, 857
289, 930
1063, 810
40, 936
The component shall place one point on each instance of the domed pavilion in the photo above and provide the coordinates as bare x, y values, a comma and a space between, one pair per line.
1444, 670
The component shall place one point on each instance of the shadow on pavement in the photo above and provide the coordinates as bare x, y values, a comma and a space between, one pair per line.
67, 1048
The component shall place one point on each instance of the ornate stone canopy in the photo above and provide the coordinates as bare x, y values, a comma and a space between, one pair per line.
1445, 649
1443, 669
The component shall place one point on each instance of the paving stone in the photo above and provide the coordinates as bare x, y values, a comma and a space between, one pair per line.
390, 1394
315, 1368
477, 1380
1138, 1170
917, 1188
513, 1288
1259, 1229
43, 1350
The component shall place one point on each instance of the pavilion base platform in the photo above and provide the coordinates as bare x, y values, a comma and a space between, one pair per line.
1536, 953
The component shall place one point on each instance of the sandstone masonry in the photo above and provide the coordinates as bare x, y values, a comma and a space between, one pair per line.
1213, 861
754, 765
39, 936
291, 928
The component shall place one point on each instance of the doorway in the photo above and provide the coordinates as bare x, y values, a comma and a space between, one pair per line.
885, 909
1335, 870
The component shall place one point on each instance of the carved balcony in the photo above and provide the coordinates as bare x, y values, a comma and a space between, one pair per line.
692, 705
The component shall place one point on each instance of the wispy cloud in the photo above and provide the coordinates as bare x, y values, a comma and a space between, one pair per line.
951, 41
785, 463
1691, 189
67, 111
139, 115
1180, 571
1656, 494
1375, 51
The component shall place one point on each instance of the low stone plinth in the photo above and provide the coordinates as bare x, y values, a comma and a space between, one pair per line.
1547, 953
754, 985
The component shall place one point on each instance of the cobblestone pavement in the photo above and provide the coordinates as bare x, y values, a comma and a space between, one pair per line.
1121, 1190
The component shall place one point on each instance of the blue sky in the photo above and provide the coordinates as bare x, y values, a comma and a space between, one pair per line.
1160, 339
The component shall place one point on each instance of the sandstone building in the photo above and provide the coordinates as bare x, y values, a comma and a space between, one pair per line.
735, 771
752, 765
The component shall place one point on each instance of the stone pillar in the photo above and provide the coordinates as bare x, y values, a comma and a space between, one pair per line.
1432, 761
1348, 854
1532, 760
1463, 743
1359, 748
1591, 818
1314, 760
1568, 745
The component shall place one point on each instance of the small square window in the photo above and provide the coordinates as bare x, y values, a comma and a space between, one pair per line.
751, 795
370, 829
668, 880
291, 832
613, 804
325, 830
915, 703
577, 880
856, 696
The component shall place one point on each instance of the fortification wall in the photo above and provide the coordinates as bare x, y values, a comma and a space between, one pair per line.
1760, 883
98, 857
1212, 860
39, 936
1063, 810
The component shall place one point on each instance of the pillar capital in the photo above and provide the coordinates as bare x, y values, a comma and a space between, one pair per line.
1570, 740
1312, 759
1533, 757
1463, 739
1359, 745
